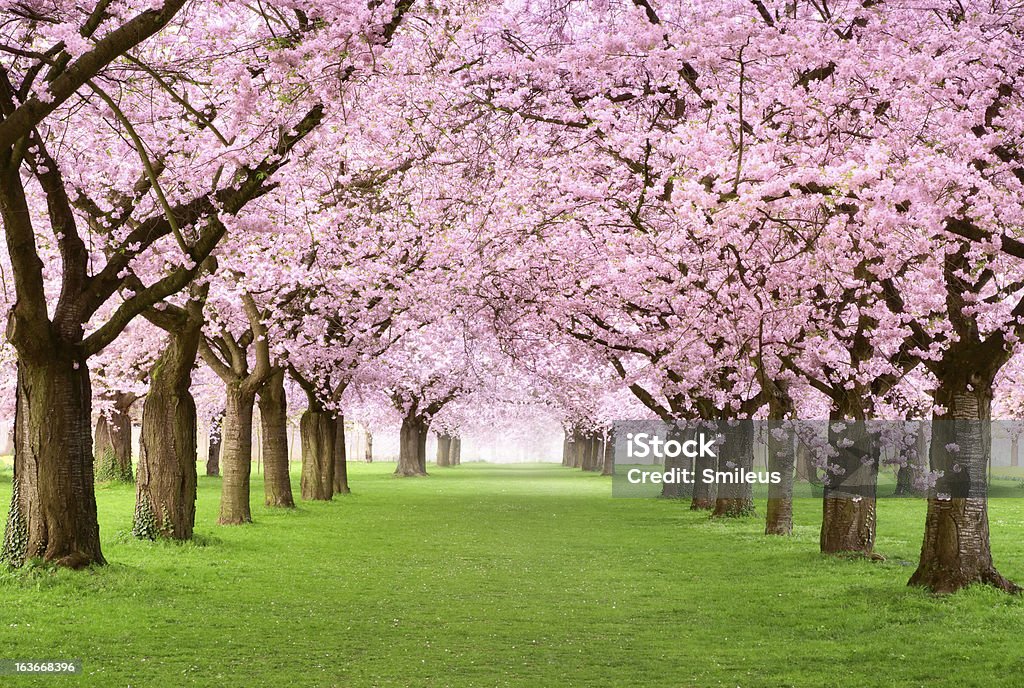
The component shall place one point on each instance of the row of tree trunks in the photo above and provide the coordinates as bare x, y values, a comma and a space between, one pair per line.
113, 440
587, 450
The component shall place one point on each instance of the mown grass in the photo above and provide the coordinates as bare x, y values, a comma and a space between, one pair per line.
531, 575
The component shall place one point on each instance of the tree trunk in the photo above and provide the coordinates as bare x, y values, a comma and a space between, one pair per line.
956, 551
566, 448
277, 484
736, 499
456, 451
340, 458
113, 441
608, 462
704, 493
409, 442
317, 428
213, 454
781, 460
848, 504
236, 455
9, 442
369, 447
165, 495
678, 490
805, 468
444, 449
54, 515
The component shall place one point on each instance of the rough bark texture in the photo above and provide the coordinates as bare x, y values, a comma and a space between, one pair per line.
113, 441
317, 430
909, 474
444, 449
53, 466
456, 451
736, 499
956, 551
165, 496
341, 458
412, 460
848, 503
236, 455
277, 484
781, 459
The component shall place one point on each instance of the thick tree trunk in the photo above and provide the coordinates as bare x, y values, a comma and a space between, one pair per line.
277, 484
736, 499
340, 458
444, 449
317, 429
566, 448
54, 515
781, 460
848, 504
411, 459
236, 456
113, 441
165, 496
215, 440
456, 451
608, 458
956, 551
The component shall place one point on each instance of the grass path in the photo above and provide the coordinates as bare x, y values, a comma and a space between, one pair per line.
508, 576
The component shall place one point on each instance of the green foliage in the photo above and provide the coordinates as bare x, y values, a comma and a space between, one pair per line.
510, 576
15, 546
108, 469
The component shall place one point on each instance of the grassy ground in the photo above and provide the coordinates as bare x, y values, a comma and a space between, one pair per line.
509, 576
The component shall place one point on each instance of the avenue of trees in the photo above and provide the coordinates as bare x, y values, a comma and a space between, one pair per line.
438, 213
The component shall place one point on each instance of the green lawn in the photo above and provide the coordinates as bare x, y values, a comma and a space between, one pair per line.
508, 576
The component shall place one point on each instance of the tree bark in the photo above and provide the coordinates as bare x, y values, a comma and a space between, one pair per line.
55, 514
165, 496
236, 455
956, 551
277, 484
608, 458
369, 447
456, 451
781, 460
678, 490
318, 431
340, 458
736, 499
213, 454
411, 462
113, 441
848, 503
704, 493
908, 476
444, 449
